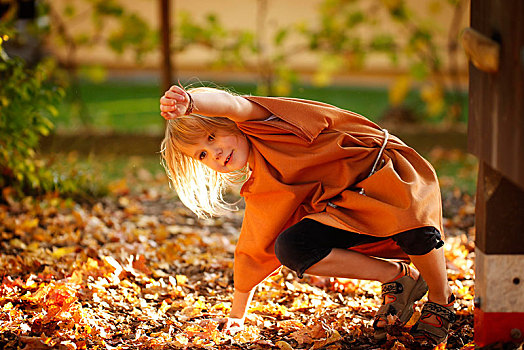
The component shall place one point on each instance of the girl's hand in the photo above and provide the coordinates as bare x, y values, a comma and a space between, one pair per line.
174, 103
233, 325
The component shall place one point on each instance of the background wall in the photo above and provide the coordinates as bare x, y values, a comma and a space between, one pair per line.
242, 14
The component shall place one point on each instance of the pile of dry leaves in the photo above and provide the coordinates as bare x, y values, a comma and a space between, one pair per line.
138, 271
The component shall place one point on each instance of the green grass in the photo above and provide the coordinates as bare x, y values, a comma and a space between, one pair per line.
370, 102
134, 107
112, 106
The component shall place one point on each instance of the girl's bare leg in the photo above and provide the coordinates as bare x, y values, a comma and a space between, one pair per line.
349, 264
432, 266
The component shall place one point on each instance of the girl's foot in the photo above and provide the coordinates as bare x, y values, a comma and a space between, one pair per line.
399, 295
432, 328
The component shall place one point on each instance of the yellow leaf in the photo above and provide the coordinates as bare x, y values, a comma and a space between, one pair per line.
17, 243
248, 335
52, 109
435, 107
28, 225
180, 340
414, 318
181, 279
283, 88
282, 345
399, 90
431, 92
91, 264
321, 78
60, 252
33, 247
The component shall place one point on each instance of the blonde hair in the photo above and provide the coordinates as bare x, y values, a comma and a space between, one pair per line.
200, 188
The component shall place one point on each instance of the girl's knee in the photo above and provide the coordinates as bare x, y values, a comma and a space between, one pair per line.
295, 250
419, 241
284, 248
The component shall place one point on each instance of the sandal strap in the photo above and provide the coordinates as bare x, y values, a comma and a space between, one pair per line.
439, 310
434, 334
396, 287
392, 288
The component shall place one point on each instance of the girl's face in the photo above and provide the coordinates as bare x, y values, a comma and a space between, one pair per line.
221, 152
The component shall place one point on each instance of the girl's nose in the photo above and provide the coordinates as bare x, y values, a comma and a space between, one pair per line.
218, 153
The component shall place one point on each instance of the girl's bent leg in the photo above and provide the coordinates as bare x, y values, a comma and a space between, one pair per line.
424, 247
349, 264
438, 313
316, 249
402, 285
432, 267
309, 243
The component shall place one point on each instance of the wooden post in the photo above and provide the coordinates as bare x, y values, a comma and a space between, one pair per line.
496, 137
165, 28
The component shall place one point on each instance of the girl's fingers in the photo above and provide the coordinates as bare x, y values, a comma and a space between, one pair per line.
176, 89
166, 101
170, 95
169, 115
166, 108
174, 103
177, 95
234, 325
233, 329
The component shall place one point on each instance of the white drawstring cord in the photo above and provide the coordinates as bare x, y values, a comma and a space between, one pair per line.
386, 138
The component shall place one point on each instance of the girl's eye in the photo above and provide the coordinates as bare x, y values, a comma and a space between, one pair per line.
211, 137
202, 155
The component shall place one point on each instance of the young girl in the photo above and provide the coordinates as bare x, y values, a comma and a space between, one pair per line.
329, 193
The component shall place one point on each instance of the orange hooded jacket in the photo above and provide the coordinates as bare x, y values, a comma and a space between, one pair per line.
310, 161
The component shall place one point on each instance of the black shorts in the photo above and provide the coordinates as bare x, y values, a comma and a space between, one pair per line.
304, 244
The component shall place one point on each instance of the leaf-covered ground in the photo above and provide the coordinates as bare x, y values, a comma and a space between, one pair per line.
137, 271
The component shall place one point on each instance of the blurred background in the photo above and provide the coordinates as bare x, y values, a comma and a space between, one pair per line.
81, 79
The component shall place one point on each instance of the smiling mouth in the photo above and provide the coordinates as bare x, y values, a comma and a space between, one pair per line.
228, 158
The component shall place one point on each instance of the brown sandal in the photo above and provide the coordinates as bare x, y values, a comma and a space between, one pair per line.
434, 333
404, 291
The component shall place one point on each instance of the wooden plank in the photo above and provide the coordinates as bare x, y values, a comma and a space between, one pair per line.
496, 104
483, 52
499, 214
503, 290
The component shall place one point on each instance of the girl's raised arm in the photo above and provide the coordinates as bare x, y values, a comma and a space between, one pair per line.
211, 103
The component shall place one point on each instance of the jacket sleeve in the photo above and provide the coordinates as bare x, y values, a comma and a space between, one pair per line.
269, 211
254, 260
305, 118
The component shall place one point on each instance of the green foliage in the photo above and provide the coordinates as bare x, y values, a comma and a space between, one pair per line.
337, 36
241, 49
339, 33
345, 35
134, 33
115, 26
28, 103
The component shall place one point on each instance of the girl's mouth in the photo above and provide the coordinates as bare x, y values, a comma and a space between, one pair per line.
228, 158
